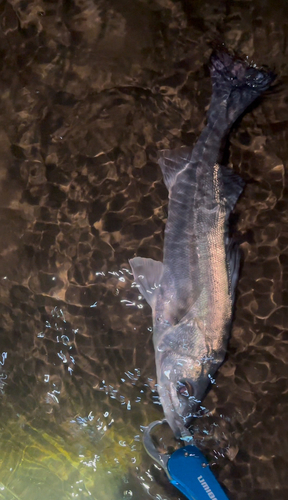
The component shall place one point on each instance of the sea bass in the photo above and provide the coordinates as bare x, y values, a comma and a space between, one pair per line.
192, 292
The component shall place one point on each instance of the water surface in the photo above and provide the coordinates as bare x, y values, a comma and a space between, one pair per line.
90, 90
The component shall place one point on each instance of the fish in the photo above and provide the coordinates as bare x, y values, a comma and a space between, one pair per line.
192, 292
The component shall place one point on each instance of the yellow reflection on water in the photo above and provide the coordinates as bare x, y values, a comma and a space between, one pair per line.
37, 463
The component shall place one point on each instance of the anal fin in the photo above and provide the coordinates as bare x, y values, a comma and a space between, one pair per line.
233, 256
233, 186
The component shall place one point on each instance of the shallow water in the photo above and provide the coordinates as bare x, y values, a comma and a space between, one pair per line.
89, 92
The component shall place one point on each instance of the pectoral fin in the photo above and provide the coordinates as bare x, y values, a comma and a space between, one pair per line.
147, 274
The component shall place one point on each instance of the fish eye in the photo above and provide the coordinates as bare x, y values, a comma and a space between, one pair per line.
184, 388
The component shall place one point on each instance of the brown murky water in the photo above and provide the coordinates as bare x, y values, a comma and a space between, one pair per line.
90, 90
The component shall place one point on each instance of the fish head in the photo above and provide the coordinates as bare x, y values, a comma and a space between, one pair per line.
184, 367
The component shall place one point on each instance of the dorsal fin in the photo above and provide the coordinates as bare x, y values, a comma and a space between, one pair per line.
147, 274
172, 162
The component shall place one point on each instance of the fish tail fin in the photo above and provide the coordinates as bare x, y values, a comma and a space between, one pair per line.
236, 84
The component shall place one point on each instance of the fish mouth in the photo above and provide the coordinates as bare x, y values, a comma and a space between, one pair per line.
178, 428
179, 423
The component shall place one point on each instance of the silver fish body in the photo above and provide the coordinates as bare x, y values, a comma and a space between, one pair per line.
192, 292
